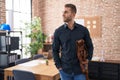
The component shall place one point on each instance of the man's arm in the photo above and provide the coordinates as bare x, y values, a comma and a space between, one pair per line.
56, 50
89, 44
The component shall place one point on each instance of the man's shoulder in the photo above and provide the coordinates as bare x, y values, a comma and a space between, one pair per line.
80, 26
60, 28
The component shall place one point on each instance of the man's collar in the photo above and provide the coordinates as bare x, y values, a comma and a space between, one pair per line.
66, 26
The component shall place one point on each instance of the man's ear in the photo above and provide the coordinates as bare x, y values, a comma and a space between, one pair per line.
74, 14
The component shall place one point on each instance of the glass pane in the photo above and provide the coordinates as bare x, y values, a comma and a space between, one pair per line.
28, 8
16, 20
9, 4
25, 17
9, 18
23, 6
16, 5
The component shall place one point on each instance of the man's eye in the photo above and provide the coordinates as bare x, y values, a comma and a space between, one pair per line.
65, 12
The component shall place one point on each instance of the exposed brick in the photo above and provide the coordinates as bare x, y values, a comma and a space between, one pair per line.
51, 14
2, 12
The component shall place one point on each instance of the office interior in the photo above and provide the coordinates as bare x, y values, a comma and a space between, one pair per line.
100, 17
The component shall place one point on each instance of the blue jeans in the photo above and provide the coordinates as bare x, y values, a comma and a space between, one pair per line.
65, 76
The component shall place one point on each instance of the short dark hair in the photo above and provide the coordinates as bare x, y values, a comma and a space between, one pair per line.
72, 6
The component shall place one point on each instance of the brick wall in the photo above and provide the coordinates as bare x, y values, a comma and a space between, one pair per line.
50, 12
2, 11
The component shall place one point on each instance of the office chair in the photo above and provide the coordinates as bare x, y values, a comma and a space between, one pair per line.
23, 75
38, 56
19, 61
1, 73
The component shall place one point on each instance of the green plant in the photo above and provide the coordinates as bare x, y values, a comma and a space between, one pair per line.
36, 35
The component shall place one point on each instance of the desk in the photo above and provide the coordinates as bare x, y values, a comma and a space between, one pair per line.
38, 67
106, 70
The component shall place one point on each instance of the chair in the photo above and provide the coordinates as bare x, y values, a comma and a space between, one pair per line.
23, 75
38, 56
19, 61
1, 73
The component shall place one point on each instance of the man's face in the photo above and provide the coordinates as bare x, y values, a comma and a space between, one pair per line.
68, 15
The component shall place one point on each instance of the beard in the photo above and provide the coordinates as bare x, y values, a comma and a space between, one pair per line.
67, 19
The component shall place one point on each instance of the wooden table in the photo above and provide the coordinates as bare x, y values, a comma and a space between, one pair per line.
38, 67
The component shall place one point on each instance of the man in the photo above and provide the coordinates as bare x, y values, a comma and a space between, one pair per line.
64, 42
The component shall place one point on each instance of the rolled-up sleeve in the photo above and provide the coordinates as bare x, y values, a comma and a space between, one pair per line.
89, 44
56, 49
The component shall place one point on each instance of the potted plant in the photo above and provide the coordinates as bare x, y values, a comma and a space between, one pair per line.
36, 35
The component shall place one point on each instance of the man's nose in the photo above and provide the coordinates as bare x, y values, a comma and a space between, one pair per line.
63, 15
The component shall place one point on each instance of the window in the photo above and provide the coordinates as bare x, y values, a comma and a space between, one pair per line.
17, 13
